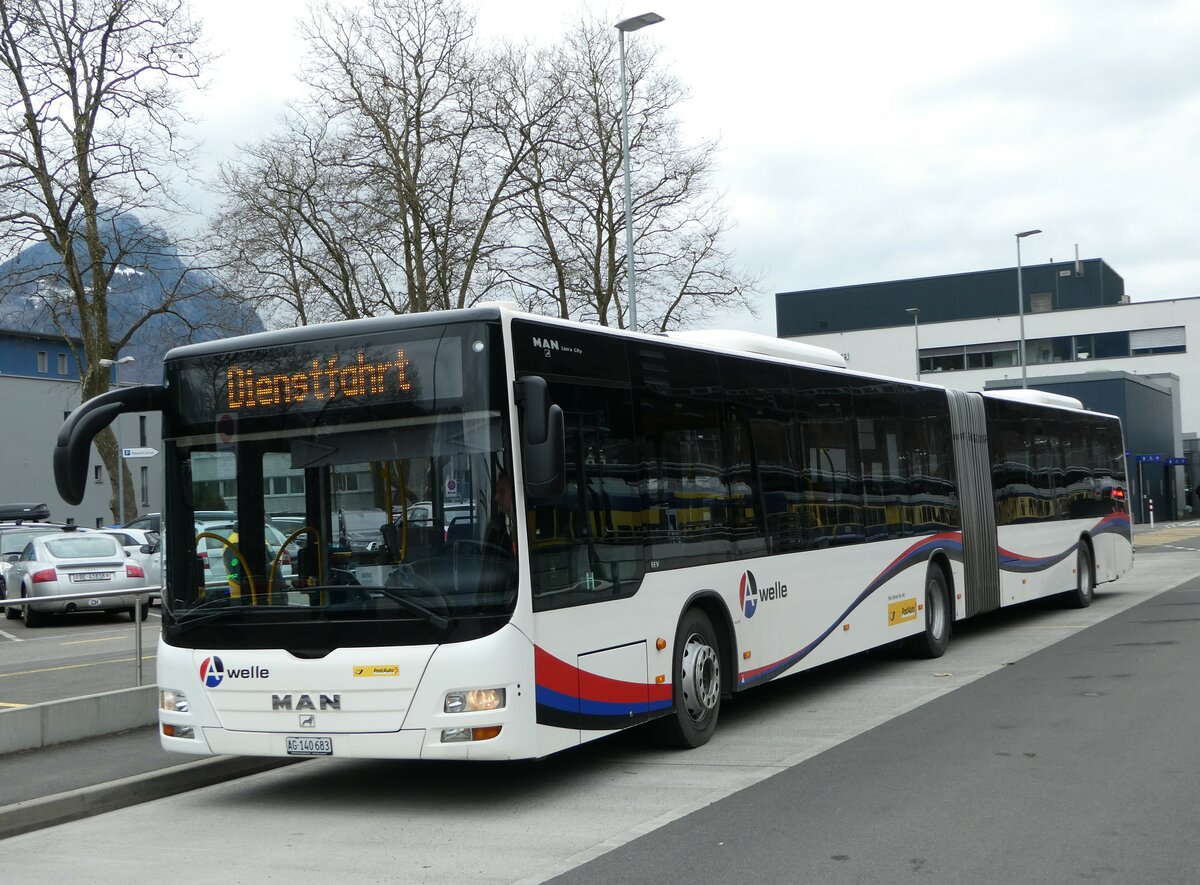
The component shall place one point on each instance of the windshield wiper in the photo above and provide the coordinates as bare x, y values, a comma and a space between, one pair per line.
432, 617
191, 621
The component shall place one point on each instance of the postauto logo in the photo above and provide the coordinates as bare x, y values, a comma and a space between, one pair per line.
212, 672
749, 596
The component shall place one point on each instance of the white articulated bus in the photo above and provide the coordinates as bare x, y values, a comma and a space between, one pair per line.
570, 530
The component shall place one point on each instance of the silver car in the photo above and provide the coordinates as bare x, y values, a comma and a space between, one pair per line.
144, 549
13, 538
68, 561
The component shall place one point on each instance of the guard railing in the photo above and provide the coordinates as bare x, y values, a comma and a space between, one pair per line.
142, 598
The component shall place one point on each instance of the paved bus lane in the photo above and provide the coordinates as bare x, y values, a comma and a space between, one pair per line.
418, 822
1077, 763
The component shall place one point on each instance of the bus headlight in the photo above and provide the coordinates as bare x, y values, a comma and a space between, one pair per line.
474, 701
173, 701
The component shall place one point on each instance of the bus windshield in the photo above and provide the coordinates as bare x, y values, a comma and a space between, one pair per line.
373, 522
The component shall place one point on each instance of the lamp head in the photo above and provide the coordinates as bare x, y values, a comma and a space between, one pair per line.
637, 22
1027, 233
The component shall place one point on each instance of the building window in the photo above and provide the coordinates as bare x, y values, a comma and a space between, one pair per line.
1146, 342
1040, 302
1061, 349
1111, 344
145, 484
43, 362
141, 430
1049, 350
62, 364
97, 473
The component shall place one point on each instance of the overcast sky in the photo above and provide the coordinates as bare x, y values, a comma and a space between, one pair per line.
867, 141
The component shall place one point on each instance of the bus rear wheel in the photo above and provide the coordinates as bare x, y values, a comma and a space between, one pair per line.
1085, 580
696, 680
932, 641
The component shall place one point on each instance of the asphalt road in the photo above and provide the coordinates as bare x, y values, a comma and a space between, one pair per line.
74, 655
1077, 763
1047, 745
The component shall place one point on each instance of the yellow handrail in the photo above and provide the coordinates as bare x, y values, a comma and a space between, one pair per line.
238, 553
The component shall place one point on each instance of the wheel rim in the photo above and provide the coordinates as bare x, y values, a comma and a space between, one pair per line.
1085, 576
701, 677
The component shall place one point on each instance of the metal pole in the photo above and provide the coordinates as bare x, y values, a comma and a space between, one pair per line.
916, 315
137, 632
1021, 304
1021, 314
120, 458
628, 195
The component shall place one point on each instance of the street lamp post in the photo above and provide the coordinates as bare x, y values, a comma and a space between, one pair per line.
110, 364
915, 312
635, 23
1021, 306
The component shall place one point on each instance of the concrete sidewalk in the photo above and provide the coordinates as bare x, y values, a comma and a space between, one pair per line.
63, 781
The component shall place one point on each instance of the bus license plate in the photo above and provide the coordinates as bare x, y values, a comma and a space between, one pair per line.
309, 746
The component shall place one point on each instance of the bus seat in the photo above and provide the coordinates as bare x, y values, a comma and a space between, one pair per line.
460, 530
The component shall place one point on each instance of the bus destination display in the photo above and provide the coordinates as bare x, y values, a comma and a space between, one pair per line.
321, 376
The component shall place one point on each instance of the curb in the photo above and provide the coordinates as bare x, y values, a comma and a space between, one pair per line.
73, 719
48, 811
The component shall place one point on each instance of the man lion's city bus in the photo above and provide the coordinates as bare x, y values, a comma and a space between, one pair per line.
481, 534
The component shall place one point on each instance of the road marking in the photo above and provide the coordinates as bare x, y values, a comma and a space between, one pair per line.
11, 637
86, 641
74, 666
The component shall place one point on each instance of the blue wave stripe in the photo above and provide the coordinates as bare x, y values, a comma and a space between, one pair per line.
548, 697
918, 553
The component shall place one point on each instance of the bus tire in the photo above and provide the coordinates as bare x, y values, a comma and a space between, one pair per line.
932, 641
1085, 579
696, 685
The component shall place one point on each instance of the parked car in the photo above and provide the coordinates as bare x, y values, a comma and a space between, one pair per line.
358, 529
152, 522
421, 513
142, 546
211, 551
13, 538
74, 561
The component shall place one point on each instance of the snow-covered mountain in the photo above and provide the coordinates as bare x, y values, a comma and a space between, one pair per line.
151, 272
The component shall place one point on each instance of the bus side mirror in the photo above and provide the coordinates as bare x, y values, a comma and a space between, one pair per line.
74, 445
543, 439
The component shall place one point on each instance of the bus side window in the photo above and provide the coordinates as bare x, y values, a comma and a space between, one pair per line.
586, 544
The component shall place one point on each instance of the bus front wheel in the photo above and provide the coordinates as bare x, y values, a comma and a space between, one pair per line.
1085, 579
696, 681
932, 641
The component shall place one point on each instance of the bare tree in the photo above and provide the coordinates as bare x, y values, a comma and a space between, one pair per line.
90, 121
573, 210
298, 229
424, 173
401, 77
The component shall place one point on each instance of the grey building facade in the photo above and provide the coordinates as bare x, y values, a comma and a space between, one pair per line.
39, 386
